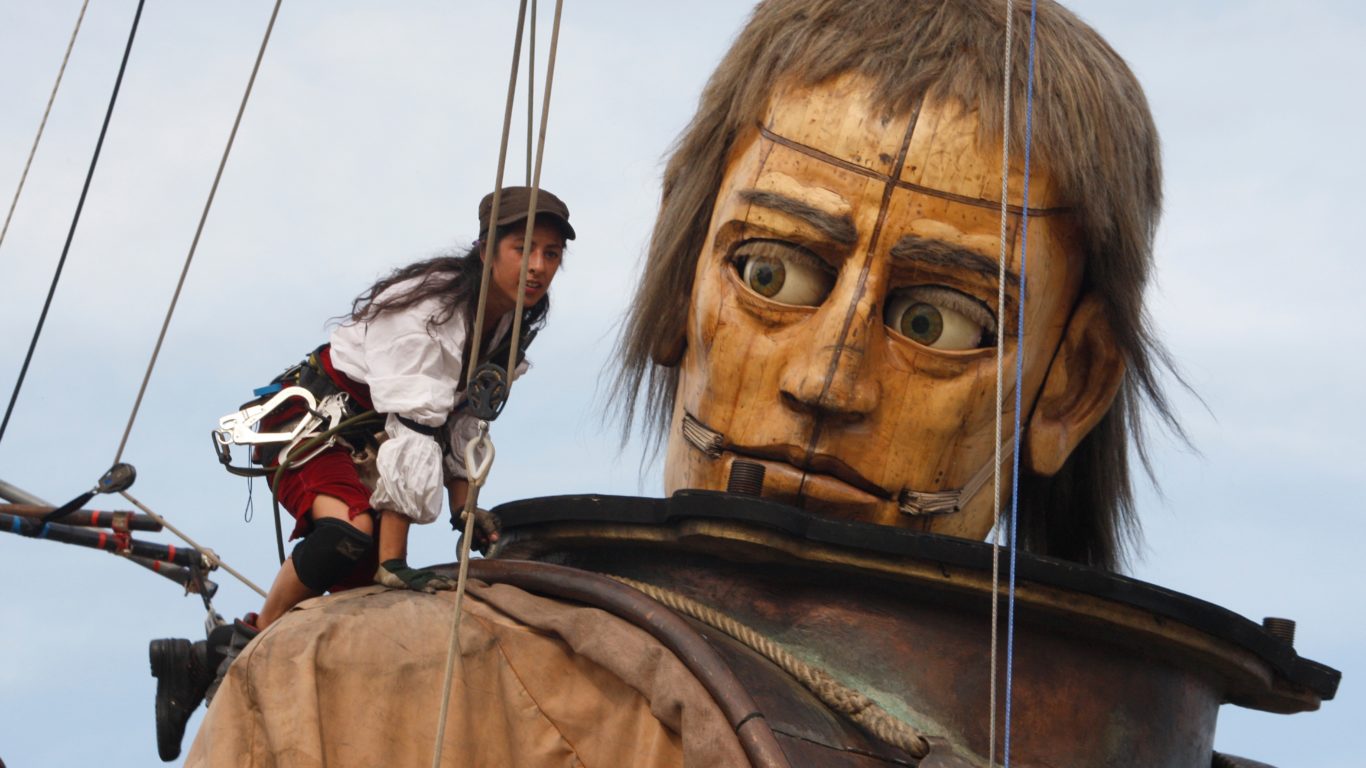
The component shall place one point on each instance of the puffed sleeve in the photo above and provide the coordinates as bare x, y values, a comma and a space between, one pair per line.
409, 465
408, 370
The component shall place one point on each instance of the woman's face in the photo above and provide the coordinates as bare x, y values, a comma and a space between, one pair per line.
547, 247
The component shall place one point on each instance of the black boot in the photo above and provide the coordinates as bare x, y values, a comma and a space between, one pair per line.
225, 643
183, 675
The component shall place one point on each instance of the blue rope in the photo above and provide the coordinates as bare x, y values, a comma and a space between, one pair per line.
1019, 375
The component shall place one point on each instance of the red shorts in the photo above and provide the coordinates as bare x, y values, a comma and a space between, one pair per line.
330, 473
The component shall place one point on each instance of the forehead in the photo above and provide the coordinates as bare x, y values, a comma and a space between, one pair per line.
921, 173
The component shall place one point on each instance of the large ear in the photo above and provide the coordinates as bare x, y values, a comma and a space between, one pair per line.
1078, 390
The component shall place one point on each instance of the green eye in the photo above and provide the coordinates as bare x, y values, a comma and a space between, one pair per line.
941, 318
783, 272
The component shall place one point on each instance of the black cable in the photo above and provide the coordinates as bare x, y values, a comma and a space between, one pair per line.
71, 233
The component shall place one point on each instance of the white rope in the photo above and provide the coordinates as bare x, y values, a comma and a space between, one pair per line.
1000, 377
478, 468
209, 554
42, 124
199, 230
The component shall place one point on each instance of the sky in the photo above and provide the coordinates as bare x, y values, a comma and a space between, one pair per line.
370, 138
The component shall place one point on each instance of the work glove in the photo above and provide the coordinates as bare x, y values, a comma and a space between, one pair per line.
487, 528
396, 574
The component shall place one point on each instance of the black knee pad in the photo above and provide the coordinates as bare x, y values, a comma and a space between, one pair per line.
329, 553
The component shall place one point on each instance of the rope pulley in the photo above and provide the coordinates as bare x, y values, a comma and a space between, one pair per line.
120, 477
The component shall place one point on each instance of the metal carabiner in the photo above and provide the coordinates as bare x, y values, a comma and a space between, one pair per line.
477, 466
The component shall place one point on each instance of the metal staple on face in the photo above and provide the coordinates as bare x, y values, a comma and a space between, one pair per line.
43, 123
834, 694
702, 437
1000, 373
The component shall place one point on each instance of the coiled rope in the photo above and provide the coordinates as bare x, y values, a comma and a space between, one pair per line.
834, 694
43, 123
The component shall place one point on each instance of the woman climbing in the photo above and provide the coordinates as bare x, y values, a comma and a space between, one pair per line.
401, 353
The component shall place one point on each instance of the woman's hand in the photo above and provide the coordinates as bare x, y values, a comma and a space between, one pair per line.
398, 575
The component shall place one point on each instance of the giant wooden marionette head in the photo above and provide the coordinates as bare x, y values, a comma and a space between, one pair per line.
820, 293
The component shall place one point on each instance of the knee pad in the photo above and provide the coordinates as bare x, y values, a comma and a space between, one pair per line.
329, 553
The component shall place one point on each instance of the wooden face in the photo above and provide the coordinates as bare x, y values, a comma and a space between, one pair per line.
843, 321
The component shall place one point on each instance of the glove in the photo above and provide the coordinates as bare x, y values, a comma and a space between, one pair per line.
397, 575
486, 528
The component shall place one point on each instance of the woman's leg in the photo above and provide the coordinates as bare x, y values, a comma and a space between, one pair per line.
288, 590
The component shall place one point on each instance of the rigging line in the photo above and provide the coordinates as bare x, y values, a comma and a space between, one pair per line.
535, 190
530, 90
482, 472
199, 230
207, 554
43, 123
1019, 370
477, 330
1000, 375
477, 327
75, 219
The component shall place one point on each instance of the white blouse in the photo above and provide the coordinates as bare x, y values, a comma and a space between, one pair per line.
413, 371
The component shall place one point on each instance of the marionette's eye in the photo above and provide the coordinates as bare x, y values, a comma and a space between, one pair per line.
784, 272
941, 318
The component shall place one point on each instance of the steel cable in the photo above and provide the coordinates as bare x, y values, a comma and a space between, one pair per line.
75, 219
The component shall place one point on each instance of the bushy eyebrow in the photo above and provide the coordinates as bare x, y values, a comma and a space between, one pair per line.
942, 254
838, 228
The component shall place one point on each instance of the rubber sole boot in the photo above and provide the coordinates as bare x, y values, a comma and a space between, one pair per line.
183, 677
225, 643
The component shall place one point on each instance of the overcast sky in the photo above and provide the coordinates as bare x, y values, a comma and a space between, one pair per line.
372, 135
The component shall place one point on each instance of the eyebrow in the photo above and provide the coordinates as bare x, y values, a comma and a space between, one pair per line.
838, 228
942, 254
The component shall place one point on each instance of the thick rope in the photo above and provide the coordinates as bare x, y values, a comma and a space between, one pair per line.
208, 554
75, 219
479, 471
477, 330
1000, 375
43, 123
535, 191
834, 694
1019, 374
530, 90
199, 230
490, 251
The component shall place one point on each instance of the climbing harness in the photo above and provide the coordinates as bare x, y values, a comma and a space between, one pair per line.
241, 427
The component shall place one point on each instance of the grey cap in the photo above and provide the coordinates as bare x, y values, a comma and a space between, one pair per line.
513, 204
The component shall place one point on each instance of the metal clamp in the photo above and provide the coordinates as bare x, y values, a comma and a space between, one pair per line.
240, 428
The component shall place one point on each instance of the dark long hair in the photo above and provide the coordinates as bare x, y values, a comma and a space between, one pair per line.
455, 279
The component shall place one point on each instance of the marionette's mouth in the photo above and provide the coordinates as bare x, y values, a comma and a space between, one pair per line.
813, 465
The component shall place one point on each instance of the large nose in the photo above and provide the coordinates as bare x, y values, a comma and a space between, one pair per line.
830, 371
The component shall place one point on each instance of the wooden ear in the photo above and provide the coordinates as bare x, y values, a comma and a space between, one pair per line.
668, 350
1078, 390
